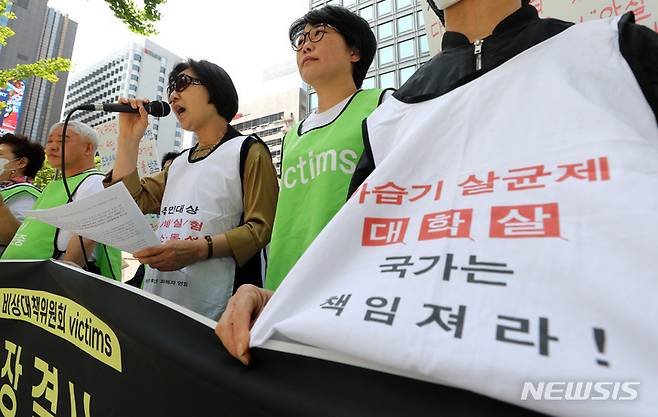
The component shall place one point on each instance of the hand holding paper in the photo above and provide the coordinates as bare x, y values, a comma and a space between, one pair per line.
173, 254
110, 217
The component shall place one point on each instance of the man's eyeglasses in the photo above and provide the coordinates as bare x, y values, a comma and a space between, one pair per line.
181, 82
314, 35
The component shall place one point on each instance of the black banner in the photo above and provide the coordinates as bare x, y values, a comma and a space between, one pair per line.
75, 345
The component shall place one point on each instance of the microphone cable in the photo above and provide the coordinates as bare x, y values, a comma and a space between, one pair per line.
69, 196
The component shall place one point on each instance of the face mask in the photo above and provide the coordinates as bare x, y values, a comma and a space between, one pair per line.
3, 164
444, 4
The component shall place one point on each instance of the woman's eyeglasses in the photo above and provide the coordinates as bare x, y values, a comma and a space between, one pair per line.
315, 34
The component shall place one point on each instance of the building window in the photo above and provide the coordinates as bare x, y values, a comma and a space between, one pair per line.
368, 83
420, 19
366, 13
387, 80
260, 121
333, 3
348, 3
385, 30
269, 132
384, 7
273, 142
404, 3
405, 73
313, 98
406, 49
405, 23
423, 46
386, 55
137, 58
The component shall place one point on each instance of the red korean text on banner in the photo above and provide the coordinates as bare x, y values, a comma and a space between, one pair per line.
539, 220
446, 224
383, 231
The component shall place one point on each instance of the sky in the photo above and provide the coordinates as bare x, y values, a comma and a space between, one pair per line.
244, 37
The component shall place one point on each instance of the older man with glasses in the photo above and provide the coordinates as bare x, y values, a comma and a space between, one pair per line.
216, 201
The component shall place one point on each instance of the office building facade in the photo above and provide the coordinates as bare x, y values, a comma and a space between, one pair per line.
138, 70
402, 44
270, 117
41, 33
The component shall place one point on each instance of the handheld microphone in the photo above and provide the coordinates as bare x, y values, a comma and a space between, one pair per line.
154, 108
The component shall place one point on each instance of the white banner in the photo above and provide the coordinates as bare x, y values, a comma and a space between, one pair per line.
578, 11
148, 162
506, 242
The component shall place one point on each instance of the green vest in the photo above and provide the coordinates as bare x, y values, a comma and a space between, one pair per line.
16, 189
38, 240
315, 174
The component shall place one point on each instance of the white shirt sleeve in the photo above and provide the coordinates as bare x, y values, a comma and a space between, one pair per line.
19, 204
90, 186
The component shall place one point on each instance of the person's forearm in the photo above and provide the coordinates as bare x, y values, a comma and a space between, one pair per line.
74, 251
147, 192
8, 225
220, 246
126, 160
131, 130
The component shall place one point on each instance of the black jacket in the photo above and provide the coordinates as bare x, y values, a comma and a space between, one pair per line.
523, 29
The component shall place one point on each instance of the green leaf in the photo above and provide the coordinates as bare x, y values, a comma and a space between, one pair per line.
138, 20
5, 33
45, 68
44, 176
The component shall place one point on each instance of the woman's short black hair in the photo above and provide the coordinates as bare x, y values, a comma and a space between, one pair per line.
169, 156
21, 147
220, 87
354, 29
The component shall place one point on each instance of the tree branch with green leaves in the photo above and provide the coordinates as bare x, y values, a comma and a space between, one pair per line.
5, 32
45, 68
138, 20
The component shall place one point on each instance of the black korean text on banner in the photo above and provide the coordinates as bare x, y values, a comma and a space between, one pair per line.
64, 318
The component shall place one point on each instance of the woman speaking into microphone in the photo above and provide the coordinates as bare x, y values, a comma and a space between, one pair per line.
216, 201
